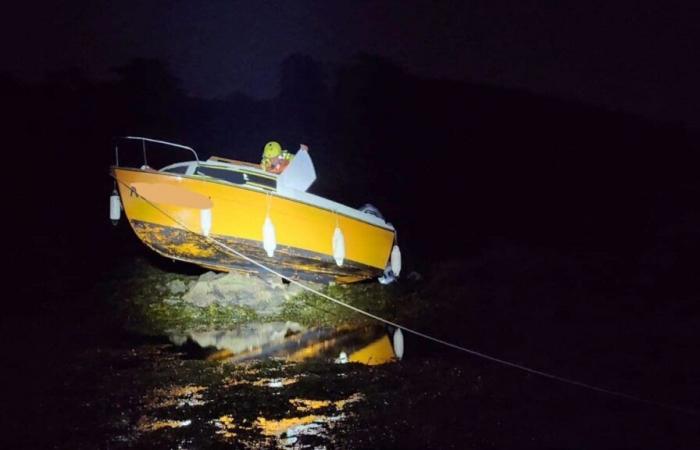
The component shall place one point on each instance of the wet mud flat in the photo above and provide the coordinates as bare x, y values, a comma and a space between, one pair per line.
77, 376
153, 395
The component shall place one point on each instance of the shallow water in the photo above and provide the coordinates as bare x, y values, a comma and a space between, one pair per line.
288, 341
131, 392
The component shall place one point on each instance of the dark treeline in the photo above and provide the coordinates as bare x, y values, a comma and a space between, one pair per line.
451, 164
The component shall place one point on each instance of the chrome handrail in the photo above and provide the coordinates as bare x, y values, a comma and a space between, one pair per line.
156, 141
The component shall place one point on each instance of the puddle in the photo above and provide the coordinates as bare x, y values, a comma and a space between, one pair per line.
251, 403
288, 432
226, 427
289, 341
176, 396
275, 382
305, 405
148, 424
315, 421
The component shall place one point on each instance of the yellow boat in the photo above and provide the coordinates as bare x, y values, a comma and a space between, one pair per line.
181, 210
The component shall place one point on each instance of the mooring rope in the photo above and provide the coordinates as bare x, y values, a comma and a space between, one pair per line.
416, 332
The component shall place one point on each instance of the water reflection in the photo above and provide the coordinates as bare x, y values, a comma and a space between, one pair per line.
225, 427
293, 342
148, 424
290, 411
176, 396
379, 351
288, 431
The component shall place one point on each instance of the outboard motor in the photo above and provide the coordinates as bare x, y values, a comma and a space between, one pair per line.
393, 269
371, 210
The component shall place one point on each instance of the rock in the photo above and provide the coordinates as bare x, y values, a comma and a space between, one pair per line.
177, 339
237, 289
210, 276
293, 290
176, 286
274, 281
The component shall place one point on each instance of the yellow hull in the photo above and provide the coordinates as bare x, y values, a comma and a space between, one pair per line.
165, 212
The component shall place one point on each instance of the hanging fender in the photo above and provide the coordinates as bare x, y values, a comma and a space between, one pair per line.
115, 207
269, 238
338, 246
205, 220
398, 343
396, 260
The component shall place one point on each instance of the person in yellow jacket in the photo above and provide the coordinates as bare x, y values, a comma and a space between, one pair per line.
274, 159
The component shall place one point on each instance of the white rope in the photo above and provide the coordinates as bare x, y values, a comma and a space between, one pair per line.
418, 333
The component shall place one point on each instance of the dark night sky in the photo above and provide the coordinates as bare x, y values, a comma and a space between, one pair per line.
634, 56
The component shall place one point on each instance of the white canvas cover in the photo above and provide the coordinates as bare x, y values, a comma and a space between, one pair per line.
299, 174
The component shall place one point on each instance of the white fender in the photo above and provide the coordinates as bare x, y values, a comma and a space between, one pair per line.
338, 246
396, 260
398, 343
205, 220
115, 207
269, 239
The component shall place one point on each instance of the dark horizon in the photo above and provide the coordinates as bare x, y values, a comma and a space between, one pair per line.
635, 57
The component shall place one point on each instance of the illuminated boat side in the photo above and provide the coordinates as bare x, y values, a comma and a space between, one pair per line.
173, 211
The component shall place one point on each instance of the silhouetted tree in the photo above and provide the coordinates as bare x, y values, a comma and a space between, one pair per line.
150, 99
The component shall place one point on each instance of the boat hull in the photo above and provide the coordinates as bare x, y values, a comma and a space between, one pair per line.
165, 212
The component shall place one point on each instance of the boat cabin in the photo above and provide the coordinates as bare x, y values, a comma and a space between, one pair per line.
293, 183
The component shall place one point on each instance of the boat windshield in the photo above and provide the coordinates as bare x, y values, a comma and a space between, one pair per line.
181, 168
238, 175
231, 176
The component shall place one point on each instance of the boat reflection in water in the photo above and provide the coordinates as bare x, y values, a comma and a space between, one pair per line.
292, 342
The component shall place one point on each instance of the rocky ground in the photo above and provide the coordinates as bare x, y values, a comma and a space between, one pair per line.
156, 301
